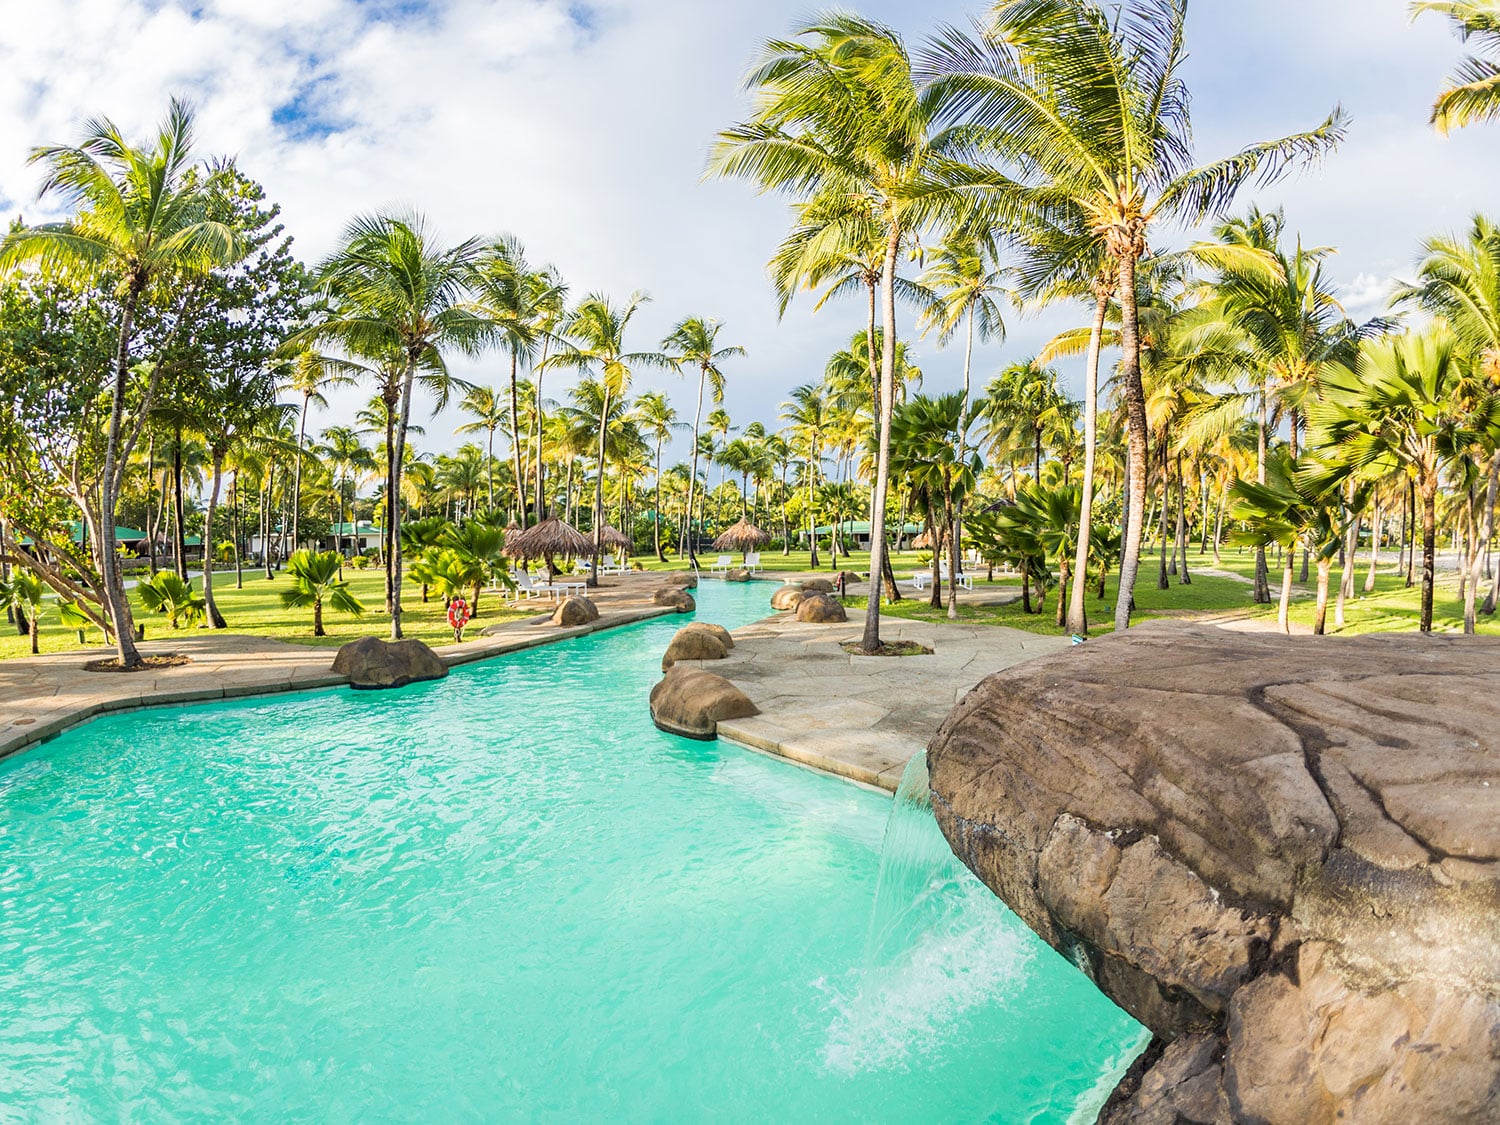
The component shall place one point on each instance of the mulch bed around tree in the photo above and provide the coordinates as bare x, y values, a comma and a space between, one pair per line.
902, 648
148, 663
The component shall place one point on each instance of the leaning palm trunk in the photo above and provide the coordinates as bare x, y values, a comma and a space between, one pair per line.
1135, 407
1078, 621
870, 642
1321, 619
215, 618
113, 590
1262, 571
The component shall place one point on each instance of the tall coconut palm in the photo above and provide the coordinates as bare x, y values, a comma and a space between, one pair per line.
1473, 91
397, 293
489, 415
310, 375
839, 114
516, 300
694, 343
658, 419
807, 413
551, 314
140, 214
1084, 113
596, 346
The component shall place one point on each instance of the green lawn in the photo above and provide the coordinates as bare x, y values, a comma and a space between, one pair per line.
257, 610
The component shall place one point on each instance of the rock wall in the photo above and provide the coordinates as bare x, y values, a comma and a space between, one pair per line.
1280, 854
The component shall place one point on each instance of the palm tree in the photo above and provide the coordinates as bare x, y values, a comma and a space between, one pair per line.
516, 301
315, 580
141, 214
310, 374
398, 295
694, 342
1085, 113
1473, 91
596, 346
658, 420
1291, 506
807, 413
1459, 280
489, 415
22, 593
1411, 401
551, 313
839, 115
165, 592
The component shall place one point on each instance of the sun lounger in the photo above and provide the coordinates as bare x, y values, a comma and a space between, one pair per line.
752, 562
724, 562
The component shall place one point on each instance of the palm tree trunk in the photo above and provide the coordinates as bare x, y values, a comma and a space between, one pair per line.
1284, 611
1161, 528
215, 618
393, 497
1477, 549
593, 578
179, 531
951, 516
297, 482
318, 618
515, 442
1411, 533
239, 528
1374, 548
1135, 409
870, 642
1184, 578
541, 508
269, 503
489, 473
1320, 620
692, 549
1262, 572
656, 523
1429, 486
1078, 621
113, 582
1219, 520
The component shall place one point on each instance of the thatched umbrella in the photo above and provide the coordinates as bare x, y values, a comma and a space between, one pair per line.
613, 539
922, 542
548, 538
743, 537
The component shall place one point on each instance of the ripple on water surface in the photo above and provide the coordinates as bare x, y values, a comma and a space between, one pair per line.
503, 895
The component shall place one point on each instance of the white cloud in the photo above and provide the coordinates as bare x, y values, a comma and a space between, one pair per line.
587, 136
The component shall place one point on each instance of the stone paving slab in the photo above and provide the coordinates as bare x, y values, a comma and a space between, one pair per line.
860, 717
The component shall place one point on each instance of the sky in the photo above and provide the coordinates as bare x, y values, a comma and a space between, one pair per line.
582, 127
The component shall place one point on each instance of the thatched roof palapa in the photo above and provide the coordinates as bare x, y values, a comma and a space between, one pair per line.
743, 536
613, 539
923, 541
547, 539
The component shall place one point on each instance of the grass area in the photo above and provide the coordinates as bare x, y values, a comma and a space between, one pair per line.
256, 609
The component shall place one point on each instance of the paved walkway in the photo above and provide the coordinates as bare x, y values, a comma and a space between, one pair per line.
41, 696
861, 717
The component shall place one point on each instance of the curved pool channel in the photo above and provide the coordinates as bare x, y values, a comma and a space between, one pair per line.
505, 896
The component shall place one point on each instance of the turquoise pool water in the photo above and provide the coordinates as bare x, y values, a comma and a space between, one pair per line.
503, 896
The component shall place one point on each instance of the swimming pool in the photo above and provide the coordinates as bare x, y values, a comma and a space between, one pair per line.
505, 896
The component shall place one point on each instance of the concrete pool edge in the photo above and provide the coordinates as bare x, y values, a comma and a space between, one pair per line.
272, 668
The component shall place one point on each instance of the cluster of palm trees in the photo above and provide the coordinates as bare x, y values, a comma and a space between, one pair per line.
1034, 160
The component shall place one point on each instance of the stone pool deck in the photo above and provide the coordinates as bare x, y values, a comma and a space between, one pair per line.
861, 717
42, 696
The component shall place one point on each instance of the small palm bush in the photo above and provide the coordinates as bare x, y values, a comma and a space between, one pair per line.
166, 593
315, 580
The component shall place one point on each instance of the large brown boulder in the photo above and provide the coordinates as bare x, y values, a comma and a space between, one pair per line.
722, 634
739, 575
691, 702
693, 644
787, 597
822, 609
675, 598
688, 579
371, 662
1280, 854
818, 585
574, 611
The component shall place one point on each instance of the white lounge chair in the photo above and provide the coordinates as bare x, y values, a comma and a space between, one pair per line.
724, 562
752, 562
563, 588
965, 579
528, 587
